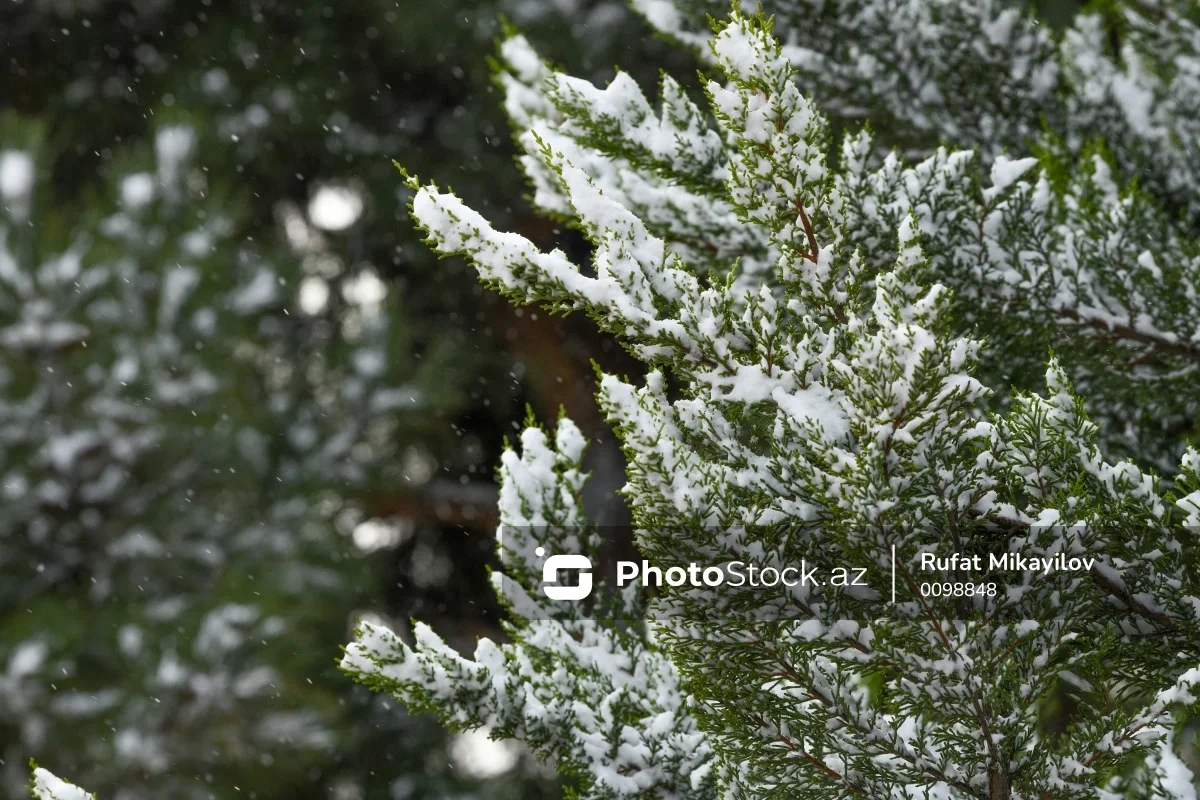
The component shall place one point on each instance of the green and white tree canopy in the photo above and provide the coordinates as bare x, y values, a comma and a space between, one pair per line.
822, 322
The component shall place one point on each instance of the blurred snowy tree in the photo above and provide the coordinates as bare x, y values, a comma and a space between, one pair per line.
180, 428
290, 98
259, 402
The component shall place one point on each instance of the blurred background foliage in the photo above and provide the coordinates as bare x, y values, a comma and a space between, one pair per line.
241, 405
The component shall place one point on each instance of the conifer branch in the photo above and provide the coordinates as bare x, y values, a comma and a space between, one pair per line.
837, 398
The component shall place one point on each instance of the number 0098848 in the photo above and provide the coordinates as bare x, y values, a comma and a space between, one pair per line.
955, 589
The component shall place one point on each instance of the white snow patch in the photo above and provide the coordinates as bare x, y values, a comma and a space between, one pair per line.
137, 190
173, 146
256, 295
1006, 172
335, 207
16, 182
364, 289
47, 786
314, 295
480, 756
27, 659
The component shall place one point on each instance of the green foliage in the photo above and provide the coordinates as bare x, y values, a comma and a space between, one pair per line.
829, 410
236, 502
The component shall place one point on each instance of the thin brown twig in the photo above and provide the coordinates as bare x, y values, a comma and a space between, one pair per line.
1159, 343
814, 249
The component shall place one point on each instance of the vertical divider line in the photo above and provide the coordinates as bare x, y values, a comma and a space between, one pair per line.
893, 575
